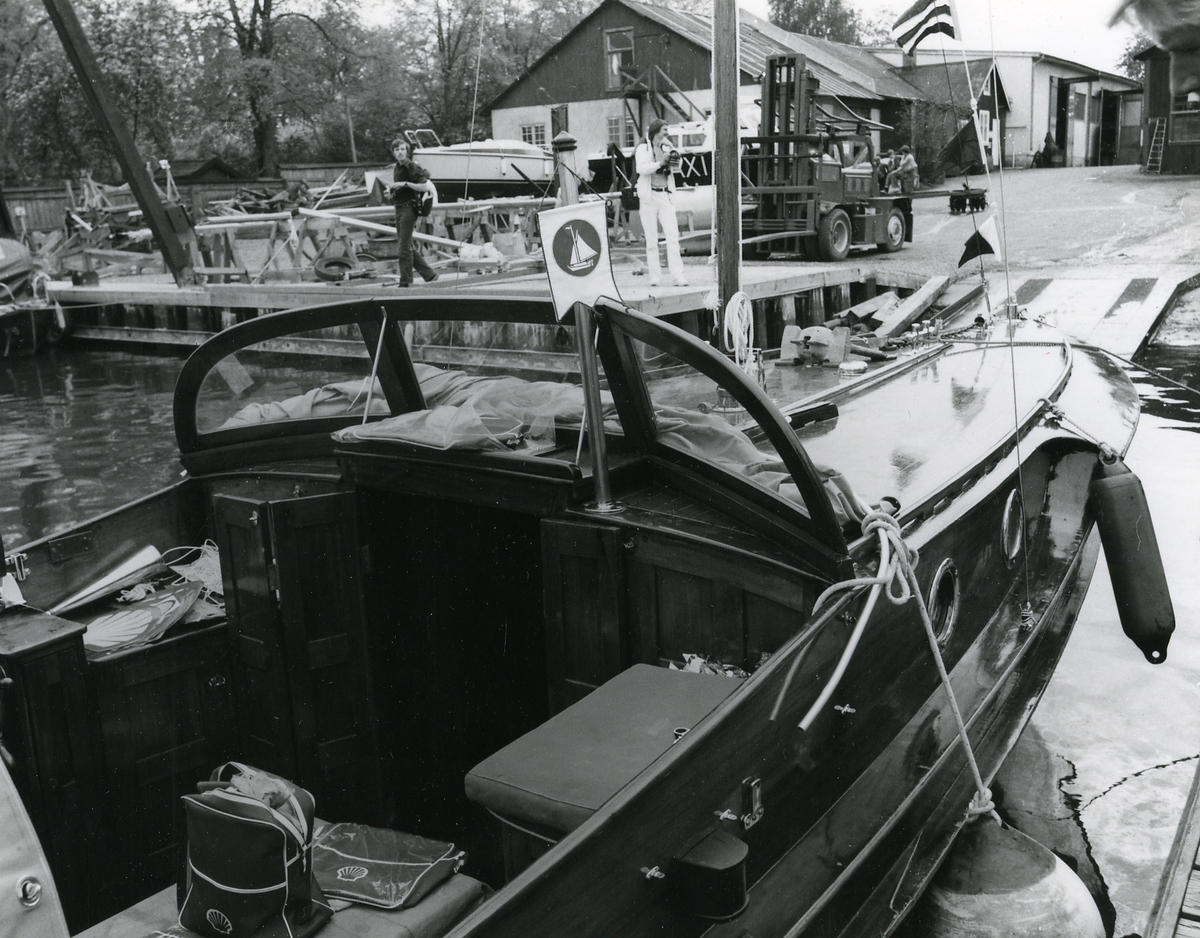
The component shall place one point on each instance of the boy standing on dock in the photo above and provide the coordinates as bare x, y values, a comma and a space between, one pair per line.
409, 181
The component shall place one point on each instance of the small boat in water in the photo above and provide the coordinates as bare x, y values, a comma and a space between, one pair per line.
705, 708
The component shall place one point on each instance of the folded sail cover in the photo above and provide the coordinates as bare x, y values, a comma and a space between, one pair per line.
924, 18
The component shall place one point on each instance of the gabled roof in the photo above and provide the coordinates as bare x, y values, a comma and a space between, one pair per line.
854, 65
947, 82
845, 71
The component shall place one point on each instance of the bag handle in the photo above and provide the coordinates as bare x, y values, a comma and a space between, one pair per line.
221, 780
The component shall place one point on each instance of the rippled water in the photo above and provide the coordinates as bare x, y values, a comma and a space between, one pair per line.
83, 432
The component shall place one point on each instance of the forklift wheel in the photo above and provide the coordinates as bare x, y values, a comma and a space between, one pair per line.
834, 235
893, 232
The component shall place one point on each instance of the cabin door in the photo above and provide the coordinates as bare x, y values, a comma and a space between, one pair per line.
583, 582
293, 597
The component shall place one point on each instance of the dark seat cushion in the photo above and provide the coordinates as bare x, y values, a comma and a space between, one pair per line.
557, 775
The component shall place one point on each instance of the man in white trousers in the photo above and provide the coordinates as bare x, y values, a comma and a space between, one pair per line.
656, 162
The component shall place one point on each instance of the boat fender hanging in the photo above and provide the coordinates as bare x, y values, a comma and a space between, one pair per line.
1134, 563
996, 881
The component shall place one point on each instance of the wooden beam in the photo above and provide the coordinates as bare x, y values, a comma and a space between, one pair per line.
112, 124
908, 311
726, 155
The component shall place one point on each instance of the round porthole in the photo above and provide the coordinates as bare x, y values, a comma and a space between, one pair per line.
1012, 529
943, 601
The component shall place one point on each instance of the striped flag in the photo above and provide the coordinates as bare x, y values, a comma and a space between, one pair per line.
924, 18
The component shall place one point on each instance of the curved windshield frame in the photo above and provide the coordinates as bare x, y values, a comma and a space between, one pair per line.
743, 435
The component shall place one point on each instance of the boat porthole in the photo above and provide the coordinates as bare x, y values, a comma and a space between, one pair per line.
1012, 528
943, 601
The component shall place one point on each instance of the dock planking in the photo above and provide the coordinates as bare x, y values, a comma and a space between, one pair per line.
1176, 910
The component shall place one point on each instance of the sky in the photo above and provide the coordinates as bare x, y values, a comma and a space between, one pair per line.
1071, 29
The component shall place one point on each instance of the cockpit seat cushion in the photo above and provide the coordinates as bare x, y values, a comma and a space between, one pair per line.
557, 775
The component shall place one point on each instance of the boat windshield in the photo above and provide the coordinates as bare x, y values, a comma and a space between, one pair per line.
696, 415
320, 373
484, 384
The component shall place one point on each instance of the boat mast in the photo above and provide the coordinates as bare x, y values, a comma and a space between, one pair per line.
585, 333
727, 178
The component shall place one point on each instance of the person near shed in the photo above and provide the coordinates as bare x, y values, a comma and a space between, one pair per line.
656, 161
887, 163
409, 181
905, 173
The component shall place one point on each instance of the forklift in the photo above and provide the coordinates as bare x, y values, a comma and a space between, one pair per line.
812, 176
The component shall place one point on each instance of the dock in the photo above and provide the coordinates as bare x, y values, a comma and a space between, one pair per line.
1176, 910
149, 309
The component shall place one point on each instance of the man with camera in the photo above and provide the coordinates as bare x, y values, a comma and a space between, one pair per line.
410, 182
657, 162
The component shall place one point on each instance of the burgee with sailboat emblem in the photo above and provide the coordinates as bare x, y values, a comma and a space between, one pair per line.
575, 245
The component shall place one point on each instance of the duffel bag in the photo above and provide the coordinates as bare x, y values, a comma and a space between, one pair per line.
249, 858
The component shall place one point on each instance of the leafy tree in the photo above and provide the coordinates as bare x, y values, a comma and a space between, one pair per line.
824, 19
142, 49
22, 30
1128, 65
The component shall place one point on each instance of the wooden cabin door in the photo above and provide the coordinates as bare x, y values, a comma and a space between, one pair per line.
294, 601
265, 735
583, 585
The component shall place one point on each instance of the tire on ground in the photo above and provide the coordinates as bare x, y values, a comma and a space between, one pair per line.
335, 268
893, 232
834, 235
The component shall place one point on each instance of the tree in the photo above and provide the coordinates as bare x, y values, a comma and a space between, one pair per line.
1128, 65
824, 19
21, 31
143, 49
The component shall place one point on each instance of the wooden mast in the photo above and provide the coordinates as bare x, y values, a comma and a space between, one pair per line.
727, 178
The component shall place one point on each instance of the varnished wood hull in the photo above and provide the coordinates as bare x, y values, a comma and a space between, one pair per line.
397, 614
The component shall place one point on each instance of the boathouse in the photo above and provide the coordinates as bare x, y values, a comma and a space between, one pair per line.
1171, 143
1093, 116
627, 62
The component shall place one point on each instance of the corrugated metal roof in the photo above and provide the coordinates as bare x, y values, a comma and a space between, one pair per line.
852, 64
760, 40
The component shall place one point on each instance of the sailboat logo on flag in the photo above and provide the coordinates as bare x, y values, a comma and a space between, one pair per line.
577, 248
575, 242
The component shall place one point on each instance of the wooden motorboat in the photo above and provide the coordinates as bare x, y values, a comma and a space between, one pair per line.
635, 721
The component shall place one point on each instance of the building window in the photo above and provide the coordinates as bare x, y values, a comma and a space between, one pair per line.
1185, 120
1079, 106
534, 133
622, 132
618, 54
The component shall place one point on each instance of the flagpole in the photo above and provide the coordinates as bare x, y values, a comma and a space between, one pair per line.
585, 333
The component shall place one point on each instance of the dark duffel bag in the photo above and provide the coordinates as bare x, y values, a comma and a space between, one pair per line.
249, 858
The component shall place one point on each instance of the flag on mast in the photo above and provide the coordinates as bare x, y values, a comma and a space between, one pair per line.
984, 241
922, 19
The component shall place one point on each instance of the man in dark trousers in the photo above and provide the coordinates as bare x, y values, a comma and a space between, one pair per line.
409, 181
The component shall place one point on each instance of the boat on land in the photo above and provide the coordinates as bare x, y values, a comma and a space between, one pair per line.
481, 169
643, 717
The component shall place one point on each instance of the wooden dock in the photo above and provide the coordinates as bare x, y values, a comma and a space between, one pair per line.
1176, 910
157, 312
